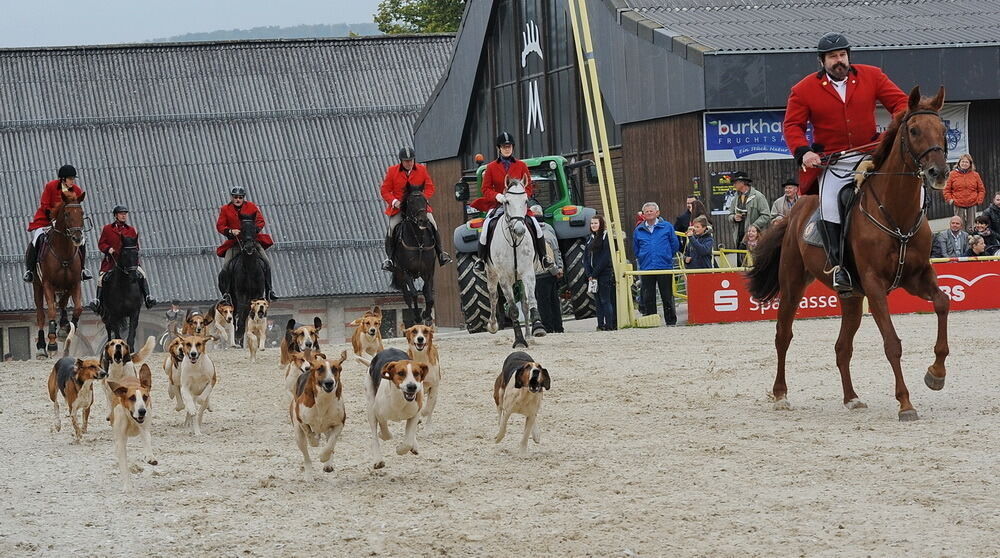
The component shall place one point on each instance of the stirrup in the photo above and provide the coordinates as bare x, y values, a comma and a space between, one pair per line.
388, 265
29, 276
85, 275
150, 302
846, 284
271, 296
443, 258
95, 306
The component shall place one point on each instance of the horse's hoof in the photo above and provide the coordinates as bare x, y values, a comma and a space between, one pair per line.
52, 348
327, 468
908, 416
782, 405
378, 465
538, 331
519, 345
855, 404
933, 382
491, 327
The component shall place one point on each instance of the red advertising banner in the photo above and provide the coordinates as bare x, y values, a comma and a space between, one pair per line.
723, 297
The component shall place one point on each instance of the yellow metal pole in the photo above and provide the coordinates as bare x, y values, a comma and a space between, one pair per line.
602, 157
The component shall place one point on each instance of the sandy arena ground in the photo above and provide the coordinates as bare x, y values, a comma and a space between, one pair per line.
655, 442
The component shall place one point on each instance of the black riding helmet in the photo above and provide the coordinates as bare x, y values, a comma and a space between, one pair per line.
238, 191
831, 42
407, 154
67, 171
119, 209
505, 138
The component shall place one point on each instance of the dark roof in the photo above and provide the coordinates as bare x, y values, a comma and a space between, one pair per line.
308, 126
732, 26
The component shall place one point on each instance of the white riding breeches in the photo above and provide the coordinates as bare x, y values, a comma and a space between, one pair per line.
835, 177
493, 214
37, 233
100, 278
398, 218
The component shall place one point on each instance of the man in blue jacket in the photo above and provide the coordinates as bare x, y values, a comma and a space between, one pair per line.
654, 243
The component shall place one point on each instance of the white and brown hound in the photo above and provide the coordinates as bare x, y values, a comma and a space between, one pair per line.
318, 410
394, 390
367, 338
131, 417
74, 379
299, 339
524, 397
420, 341
256, 329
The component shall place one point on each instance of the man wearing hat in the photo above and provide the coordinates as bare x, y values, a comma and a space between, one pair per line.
839, 101
782, 205
749, 207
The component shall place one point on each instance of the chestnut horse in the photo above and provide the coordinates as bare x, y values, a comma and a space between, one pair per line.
888, 240
60, 265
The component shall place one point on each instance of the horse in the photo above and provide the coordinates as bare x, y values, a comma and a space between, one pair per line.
414, 255
887, 226
512, 258
242, 279
123, 297
60, 267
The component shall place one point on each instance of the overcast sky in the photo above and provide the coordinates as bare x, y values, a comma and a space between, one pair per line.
26, 23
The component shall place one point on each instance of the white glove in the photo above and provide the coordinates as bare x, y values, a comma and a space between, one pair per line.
395, 204
501, 198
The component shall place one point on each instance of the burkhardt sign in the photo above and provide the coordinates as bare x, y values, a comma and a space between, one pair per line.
759, 134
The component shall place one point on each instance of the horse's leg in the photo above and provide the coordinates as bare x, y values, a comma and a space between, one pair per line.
133, 324
928, 290
428, 314
40, 320
879, 307
491, 285
850, 320
77, 303
50, 314
512, 313
793, 281
528, 280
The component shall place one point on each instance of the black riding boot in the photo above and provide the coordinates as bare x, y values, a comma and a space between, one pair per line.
144, 288
443, 257
268, 286
30, 262
84, 273
483, 254
834, 249
95, 305
388, 264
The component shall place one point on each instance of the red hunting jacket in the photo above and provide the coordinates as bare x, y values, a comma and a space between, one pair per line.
837, 125
396, 179
111, 237
229, 218
51, 197
495, 182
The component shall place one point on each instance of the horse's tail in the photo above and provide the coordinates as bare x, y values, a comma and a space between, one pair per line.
763, 276
69, 338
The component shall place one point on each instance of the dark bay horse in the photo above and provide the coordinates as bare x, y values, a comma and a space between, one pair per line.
60, 265
122, 294
243, 277
414, 255
889, 241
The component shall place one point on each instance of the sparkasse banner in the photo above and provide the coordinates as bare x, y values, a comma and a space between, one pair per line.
759, 134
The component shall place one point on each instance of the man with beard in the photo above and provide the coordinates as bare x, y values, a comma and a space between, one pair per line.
839, 100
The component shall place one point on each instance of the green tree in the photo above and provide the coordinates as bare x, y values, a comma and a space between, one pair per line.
419, 16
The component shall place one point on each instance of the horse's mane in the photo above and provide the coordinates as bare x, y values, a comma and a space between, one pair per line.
889, 136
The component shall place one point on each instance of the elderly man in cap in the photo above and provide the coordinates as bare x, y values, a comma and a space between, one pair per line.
749, 207
782, 205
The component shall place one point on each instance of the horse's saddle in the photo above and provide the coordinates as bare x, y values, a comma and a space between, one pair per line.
846, 198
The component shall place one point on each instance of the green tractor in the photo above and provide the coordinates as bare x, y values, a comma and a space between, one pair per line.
557, 189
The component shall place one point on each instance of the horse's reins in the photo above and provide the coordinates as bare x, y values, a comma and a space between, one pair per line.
68, 231
420, 238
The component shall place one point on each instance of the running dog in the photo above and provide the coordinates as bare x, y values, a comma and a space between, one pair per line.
298, 364
420, 339
524, 397
256, 335
222, 324
299, 339
394, 391
172, 367
194, 323
196, 379
74, 379
130, 417
318, 410
367, 336
118, 361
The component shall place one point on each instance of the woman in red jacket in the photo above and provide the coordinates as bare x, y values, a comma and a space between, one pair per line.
965, 189
110, 244
42, 222
494, 184
228, 226
397, 177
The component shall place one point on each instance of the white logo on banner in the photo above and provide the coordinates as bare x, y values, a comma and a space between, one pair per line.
532, 45
534, 108
727, 300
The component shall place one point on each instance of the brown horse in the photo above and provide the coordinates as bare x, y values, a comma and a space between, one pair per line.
888, 240
60, 264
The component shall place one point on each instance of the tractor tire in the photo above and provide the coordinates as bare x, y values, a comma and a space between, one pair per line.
473, 293
581, 300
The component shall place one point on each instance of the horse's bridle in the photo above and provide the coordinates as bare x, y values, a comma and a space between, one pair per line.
68, 232
904, 128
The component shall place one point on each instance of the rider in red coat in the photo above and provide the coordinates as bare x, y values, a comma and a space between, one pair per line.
228, 225
110, 244
42, 222
494, 184
397, 177
839, 100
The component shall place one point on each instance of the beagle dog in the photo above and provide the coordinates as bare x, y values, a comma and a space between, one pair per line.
256, 328
367, 336
524, 397
222, 324
299, 339
394, 391
172, 367
298, 364
74, 379
130, 417
318, 410
420, 341
118, 361
194, 323
195, 379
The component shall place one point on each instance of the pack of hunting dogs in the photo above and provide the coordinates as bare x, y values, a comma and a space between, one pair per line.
399, 386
